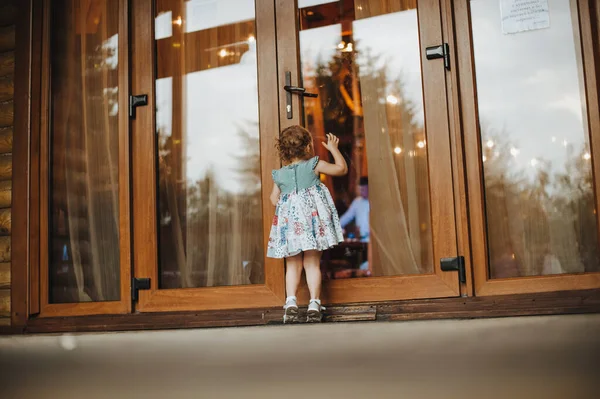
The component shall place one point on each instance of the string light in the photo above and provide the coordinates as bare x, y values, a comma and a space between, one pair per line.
392, 99
398, 150
251, 38
223, 53
178, 21
587, 156
484, 158
514, 152
421, 144
490, 144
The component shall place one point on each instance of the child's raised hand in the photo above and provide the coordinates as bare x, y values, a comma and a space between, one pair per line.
332, 142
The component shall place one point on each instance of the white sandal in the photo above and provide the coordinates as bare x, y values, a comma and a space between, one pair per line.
290, 308
315, 311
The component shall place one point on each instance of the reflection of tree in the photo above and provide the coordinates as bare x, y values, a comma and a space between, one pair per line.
532, 220
339, 108
248, 164
358, 99
220, 231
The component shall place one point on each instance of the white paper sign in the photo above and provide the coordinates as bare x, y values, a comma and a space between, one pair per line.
524, 15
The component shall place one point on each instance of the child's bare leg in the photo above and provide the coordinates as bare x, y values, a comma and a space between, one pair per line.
312, 268
293, 273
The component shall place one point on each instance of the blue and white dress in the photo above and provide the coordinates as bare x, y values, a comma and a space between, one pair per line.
305, 217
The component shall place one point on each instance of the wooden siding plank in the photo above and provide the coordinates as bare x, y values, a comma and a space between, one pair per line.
4, 275
5, 303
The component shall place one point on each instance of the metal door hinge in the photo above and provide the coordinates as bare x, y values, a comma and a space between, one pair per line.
136, 101
441, 51
455, 264
138, 284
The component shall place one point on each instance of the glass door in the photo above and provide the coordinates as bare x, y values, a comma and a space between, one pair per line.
532, 130
84, 160
202, 151
378, 91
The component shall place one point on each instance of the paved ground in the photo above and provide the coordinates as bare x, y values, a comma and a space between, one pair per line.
535, 357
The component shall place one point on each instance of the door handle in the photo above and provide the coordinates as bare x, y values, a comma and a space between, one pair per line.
301, 91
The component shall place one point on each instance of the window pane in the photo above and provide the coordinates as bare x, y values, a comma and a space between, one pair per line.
363, 59
539, 192
84, 192
210, 201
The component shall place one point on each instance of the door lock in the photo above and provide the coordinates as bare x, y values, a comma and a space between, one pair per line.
136, 101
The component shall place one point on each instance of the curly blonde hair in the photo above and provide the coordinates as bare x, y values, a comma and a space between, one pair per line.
294, 143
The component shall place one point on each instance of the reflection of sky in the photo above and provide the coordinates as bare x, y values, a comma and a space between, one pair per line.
394, 37
318, 45
218, 101
111, 61
310, 3
206, 14
528, 84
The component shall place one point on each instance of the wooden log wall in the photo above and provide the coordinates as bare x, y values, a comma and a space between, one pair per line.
8, 16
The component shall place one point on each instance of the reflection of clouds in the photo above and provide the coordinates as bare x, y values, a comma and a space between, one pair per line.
163, 25
570, 102
113, 97
206, 14
318, 45
111, 47
219, 102
528, 88
310, 3
164, 106
541, 76
396, 38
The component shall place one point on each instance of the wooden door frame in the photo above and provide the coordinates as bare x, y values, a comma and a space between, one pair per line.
145, 224
41, 180
483, 284
19, 273
438, 284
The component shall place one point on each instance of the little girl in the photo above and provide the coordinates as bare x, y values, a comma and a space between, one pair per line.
306, 221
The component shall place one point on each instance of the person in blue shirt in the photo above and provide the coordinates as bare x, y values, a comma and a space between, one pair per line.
359, 214
359, 211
